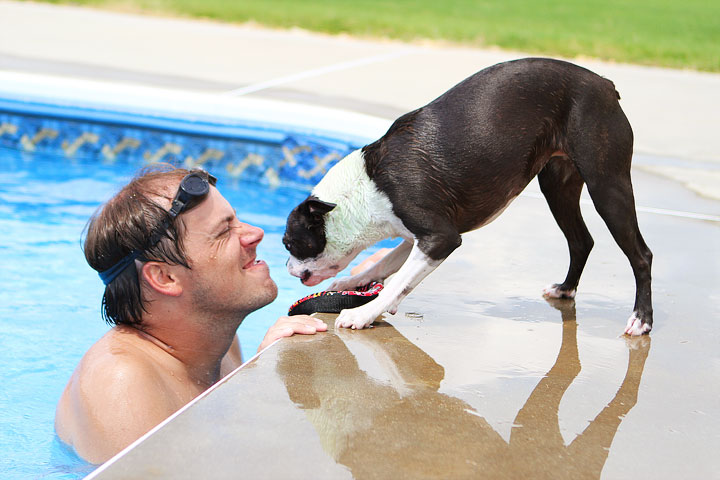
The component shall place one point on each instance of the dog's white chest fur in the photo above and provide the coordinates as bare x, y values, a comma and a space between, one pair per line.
363, 215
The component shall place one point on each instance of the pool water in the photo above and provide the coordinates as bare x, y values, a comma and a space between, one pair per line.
50, 298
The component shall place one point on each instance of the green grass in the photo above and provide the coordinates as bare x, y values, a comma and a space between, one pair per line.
672, 33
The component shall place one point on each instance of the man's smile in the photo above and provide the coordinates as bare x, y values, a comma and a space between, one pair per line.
255, 262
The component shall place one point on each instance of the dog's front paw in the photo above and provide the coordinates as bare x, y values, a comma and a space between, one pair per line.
636, 326
554, 291
356, 318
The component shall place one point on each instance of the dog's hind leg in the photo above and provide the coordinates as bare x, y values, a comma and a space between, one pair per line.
561, 184
613, 199
605, 167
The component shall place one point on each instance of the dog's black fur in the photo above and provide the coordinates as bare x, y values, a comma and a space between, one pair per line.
454, 164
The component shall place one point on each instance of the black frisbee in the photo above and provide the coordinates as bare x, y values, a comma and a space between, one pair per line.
330, 301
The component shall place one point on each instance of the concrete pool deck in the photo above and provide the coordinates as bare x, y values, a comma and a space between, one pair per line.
476, 374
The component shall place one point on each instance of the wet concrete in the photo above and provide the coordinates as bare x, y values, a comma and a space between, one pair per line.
376, 406
478, 376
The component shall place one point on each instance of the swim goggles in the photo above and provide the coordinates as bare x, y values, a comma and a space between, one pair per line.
193, 188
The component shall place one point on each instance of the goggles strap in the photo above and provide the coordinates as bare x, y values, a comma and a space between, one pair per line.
111, 273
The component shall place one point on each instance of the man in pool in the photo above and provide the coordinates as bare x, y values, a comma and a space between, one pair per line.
181, 274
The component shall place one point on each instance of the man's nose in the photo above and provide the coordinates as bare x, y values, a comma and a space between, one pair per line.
250, 235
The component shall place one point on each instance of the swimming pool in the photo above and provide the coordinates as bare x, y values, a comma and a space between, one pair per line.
55, 173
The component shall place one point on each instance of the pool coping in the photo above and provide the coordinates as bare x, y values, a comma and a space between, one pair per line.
181, 111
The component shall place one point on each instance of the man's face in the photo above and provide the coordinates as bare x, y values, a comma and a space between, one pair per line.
225, 277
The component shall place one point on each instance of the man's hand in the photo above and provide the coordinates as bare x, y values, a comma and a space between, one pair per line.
289, 326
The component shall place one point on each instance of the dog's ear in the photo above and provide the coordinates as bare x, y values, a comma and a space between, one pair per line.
317, 207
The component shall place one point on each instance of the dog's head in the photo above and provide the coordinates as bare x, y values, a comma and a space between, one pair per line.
305, 239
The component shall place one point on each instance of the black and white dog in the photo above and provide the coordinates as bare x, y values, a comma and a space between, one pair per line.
455, 165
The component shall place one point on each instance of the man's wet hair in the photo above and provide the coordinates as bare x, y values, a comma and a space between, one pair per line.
124, 225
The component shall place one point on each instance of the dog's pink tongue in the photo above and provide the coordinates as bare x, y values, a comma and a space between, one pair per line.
312, 280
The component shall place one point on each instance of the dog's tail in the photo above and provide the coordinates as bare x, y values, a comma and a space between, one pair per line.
617, 94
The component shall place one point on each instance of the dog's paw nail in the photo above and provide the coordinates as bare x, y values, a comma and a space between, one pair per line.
550, 291
554, 291
636, 327
355, 319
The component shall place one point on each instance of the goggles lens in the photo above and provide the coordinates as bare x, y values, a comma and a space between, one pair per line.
194, 187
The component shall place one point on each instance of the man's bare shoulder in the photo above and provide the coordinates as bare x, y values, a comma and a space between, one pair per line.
117, 393
119, 360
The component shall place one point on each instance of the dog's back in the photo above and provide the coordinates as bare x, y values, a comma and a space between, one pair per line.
498, 127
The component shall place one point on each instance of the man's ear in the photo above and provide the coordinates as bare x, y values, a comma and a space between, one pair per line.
317, 207
159, 277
